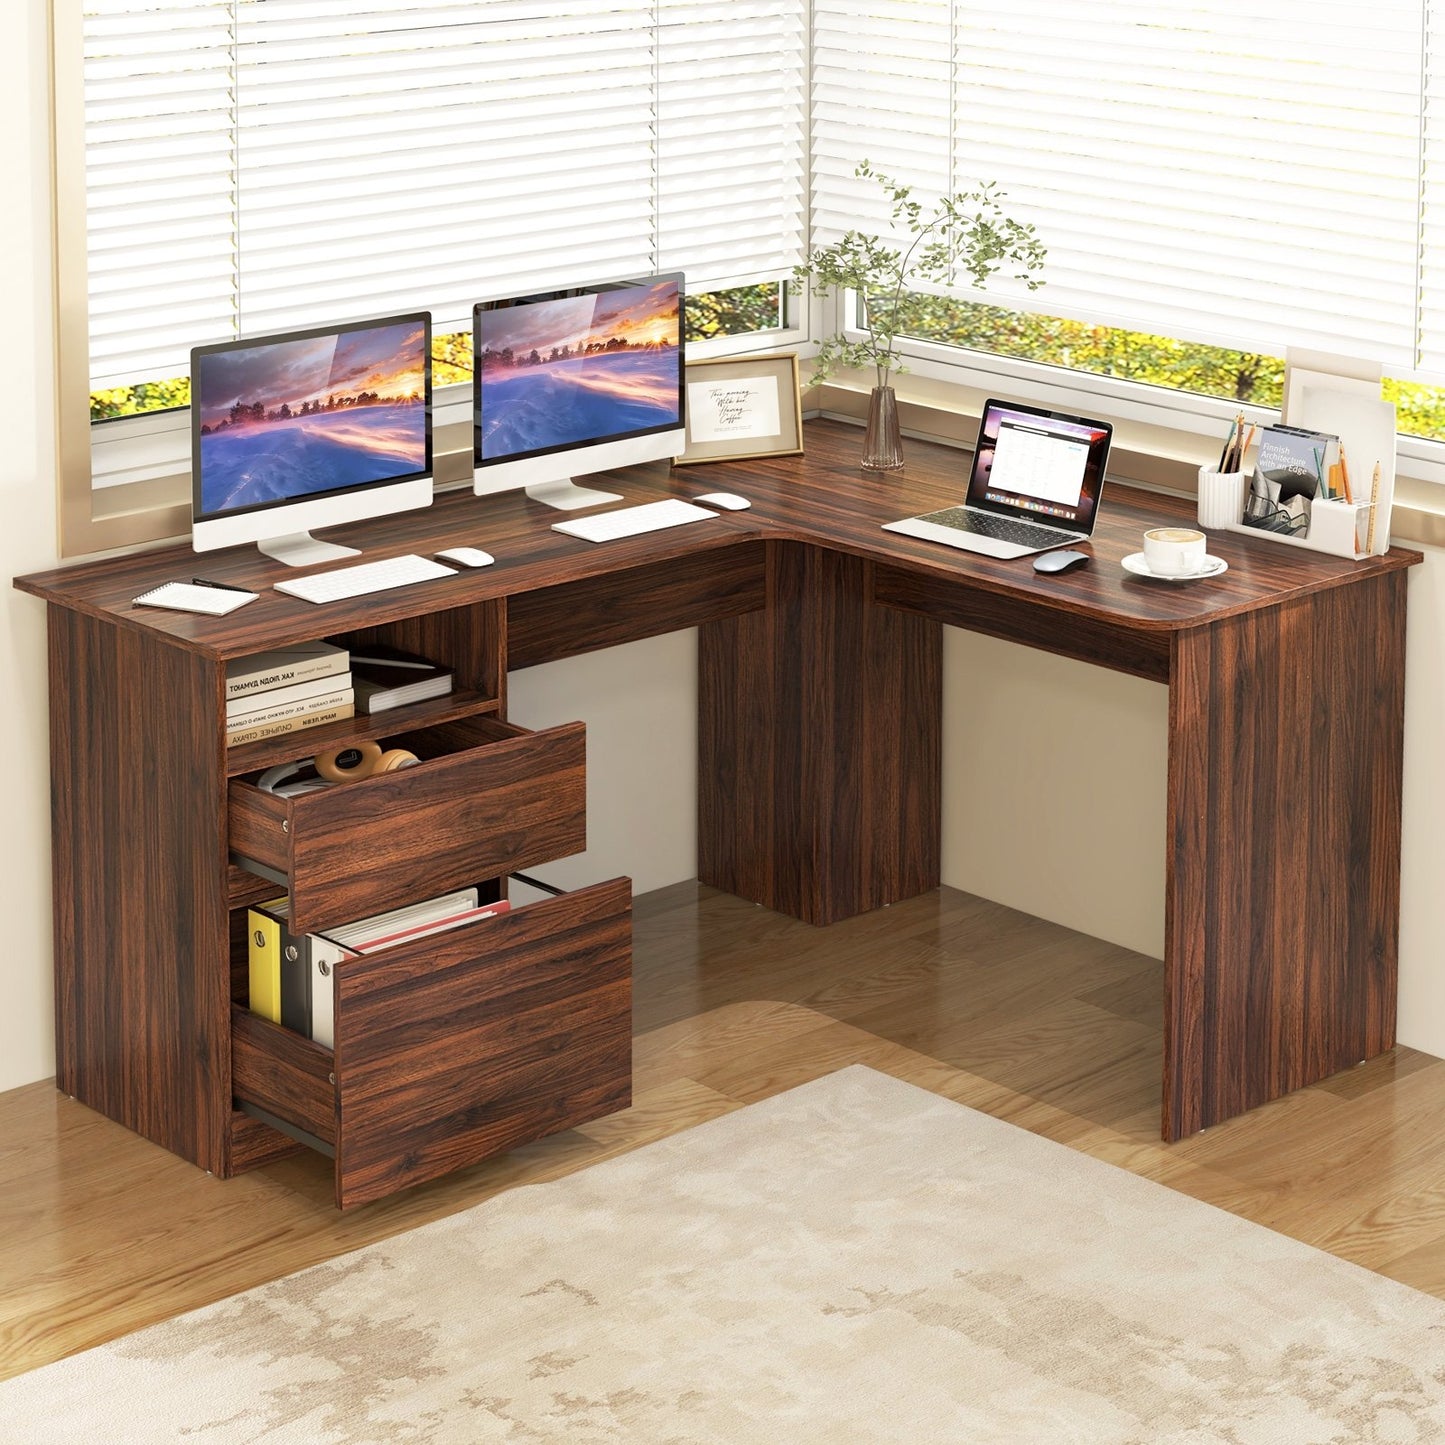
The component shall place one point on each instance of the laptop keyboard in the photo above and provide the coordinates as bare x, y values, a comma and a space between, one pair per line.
1005, 529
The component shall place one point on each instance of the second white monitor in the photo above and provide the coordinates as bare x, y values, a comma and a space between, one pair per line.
573, 382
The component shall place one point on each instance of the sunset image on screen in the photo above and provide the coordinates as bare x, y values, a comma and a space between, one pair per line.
315, 415
578, 368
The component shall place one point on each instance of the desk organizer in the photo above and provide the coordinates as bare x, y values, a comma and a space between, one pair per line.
1339, 528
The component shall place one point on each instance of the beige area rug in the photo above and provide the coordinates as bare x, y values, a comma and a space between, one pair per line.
856, 1260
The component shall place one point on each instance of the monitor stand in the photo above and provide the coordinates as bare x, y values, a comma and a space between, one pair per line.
301, 549
566, 495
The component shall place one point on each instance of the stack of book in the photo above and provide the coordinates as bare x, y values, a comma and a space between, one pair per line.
288, 688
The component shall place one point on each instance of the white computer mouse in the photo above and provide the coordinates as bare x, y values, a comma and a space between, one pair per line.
728, 501
466, 557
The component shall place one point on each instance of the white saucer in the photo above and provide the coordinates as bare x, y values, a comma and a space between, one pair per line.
1213, 566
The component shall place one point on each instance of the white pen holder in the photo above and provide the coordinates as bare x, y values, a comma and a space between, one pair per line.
1221, 497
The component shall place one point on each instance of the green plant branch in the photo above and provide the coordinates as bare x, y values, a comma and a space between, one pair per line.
967, 231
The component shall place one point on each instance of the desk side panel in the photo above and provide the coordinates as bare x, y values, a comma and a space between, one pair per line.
1282, 916
819, 744
141, 928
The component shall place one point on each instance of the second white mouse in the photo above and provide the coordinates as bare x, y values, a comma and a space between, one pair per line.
466, 557
728, 501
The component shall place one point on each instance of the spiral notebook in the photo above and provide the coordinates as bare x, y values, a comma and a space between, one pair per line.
187, 597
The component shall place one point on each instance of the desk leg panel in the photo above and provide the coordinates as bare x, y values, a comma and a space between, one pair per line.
1282, 911
141, 924
819, 744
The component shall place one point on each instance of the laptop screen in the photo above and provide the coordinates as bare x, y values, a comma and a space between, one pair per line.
1046, 466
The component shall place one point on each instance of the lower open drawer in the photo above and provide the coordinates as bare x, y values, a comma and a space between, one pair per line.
457, 1046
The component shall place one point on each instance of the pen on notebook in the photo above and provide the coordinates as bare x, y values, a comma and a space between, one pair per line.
219, 586
393, 662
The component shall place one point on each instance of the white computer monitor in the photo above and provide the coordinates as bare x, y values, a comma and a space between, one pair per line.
309, 429
572, 382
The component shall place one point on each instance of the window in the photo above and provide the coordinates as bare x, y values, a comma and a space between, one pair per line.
254, 165
1161, 361
1221, 178
1214, 181
736, 311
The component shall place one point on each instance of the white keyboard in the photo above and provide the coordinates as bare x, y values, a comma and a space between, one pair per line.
633, 521
365, 577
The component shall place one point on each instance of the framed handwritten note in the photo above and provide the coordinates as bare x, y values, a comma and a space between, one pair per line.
743, 406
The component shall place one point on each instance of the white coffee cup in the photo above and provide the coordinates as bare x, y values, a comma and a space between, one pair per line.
1174, 551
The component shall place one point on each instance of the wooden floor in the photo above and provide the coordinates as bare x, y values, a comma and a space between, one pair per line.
101, 1233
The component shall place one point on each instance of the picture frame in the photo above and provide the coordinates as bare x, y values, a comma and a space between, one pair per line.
742, 406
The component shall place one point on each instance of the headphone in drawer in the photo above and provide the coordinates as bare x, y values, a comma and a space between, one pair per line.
336, 765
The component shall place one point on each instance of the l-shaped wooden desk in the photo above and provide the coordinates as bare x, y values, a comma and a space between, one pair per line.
819, 758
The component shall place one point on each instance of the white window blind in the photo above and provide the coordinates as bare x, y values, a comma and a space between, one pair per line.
1246, 175
254, 165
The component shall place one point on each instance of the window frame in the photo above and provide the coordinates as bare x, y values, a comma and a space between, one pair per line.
151, 502
1196, 422
154, 503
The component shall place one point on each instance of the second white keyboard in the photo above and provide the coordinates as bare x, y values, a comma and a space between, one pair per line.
364, 577
633, 521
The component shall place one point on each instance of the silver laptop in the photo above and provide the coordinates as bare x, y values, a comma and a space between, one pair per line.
1035, 484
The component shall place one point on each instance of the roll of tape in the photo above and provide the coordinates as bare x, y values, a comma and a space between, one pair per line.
362, 760
345, 765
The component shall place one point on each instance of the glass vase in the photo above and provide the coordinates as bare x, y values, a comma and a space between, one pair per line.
882, 442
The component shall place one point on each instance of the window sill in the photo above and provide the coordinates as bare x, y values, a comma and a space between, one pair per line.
1158, 458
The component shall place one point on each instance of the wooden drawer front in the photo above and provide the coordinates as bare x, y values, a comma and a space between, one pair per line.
469, 1043
488, 798
459, 1046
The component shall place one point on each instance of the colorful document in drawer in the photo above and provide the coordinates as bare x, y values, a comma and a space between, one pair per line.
487, 798
290, 973
455, 1046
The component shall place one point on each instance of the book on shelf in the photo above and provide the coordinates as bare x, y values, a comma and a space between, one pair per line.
281, 666
292, 976
254, 707
386, 677
255, 732
1294, 467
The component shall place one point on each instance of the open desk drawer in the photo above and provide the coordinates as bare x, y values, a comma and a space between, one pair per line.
487, 798
457, 1046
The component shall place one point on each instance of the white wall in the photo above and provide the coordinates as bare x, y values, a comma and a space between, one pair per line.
640, 706
1422, 858
27, 542
1053, 786
640, 701
1054, 711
